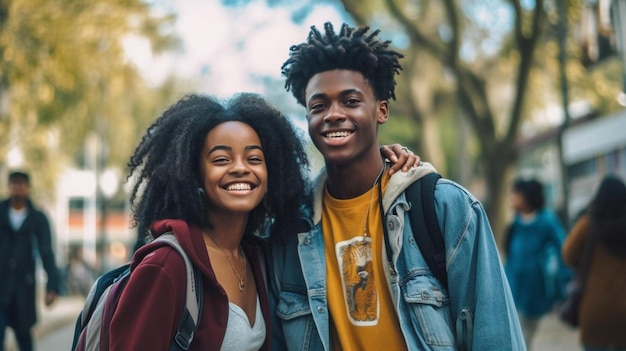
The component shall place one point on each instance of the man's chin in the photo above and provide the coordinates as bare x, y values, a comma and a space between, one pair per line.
18, 198
338, 161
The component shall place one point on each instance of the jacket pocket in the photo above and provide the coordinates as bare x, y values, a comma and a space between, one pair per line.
430, 311
292, 305
297, 324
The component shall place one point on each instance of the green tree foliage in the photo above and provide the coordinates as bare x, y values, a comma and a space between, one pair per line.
493, 73
64, 75
455, 41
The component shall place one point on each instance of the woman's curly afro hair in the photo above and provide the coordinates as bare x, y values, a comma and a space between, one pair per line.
165, 165
352, 49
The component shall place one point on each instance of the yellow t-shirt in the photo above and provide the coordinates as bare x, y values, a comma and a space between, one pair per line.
359, 300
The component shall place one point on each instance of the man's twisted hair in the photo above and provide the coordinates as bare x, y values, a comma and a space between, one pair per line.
352, 49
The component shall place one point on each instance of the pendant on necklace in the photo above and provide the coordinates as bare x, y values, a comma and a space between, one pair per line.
363, 240
242, 285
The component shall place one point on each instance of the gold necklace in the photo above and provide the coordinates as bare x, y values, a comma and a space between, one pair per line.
242, 280
369, 202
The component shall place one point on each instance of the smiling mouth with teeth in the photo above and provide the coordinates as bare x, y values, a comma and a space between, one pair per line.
239, 187
334, 135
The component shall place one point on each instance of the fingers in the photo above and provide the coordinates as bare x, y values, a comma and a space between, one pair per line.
390, 152
50, 297
401, 157
412, 161
406, 160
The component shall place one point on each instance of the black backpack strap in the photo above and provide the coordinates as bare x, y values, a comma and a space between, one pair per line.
98, 288
426, 231
78, 328
187, 326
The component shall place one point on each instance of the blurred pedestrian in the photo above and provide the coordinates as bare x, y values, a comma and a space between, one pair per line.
533, 263
79, 275
24, 230
602, 314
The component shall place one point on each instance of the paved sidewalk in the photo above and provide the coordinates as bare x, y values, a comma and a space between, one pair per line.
63, 312
553, 335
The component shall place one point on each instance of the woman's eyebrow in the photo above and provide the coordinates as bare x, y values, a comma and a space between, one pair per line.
228, 148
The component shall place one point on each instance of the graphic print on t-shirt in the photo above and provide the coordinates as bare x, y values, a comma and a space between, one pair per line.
354, 258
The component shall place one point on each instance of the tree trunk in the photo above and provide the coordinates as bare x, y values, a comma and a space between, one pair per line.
431, 143
498, 171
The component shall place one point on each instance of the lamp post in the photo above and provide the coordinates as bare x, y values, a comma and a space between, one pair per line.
562, 58
618, 11
107, 184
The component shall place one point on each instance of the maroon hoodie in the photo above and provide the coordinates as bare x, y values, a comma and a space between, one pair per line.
152, 303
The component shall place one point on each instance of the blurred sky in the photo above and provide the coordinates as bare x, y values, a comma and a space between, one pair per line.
230, 49
224, 48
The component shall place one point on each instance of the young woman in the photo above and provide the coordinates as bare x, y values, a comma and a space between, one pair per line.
602, 313
219, 176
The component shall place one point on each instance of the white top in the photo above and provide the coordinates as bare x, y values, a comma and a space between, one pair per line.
240, 336
17, 217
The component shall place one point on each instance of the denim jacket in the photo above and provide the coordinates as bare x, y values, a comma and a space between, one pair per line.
476, 310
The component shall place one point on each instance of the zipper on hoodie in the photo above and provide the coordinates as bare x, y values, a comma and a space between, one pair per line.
464, 330
392, 267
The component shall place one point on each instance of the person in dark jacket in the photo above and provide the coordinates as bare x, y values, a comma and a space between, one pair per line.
24, 230
602, 313
216, 175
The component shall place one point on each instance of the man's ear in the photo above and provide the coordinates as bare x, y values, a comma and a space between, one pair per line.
382, 111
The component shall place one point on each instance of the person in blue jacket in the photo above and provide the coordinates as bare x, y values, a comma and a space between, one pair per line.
334, 284
533, 260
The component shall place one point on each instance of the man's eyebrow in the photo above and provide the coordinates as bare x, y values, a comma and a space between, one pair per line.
342, 93
317, 96
351, 91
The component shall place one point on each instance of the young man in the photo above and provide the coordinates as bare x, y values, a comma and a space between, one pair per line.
352, 277
23, 230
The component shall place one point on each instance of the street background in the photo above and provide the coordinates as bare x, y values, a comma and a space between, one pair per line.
531, 89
